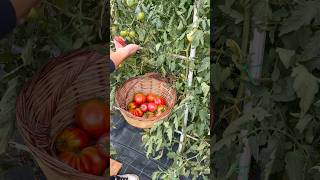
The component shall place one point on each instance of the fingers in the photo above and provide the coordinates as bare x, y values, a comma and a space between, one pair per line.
132, 48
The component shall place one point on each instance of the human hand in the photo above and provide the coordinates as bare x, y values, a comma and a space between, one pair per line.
122, 52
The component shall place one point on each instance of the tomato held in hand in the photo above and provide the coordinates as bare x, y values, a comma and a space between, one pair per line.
71, 139
144, 107
159, 101
138, 112
102, 145
93, 117
87, 161
152, 107
139, 98
151, 97
132, 105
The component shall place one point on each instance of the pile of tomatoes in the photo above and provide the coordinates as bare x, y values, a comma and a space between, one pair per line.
147, 106
83, 145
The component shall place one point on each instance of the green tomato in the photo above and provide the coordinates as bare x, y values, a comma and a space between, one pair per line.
140, 16
128, 38
132, 34
113, 29
131, 3
123, 33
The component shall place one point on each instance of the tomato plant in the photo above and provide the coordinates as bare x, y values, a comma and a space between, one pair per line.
269, 107
162, 32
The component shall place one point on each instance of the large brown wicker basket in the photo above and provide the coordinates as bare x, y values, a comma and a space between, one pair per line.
46, 105
148, 83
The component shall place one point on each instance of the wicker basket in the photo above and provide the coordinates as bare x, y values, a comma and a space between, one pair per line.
148, 83
46, 105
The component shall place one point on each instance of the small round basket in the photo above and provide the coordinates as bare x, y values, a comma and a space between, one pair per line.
46, 104
148, 83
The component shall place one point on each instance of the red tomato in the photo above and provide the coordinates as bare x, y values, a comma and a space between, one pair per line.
120, 40
131, 111
159, 101
139, 98
93, 117
150, 97
138, 112
87, 161
102, 145
144, 107
132, 105
152, 107
71, 139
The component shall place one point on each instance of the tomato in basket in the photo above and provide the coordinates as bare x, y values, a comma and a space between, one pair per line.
159, 101
102, 145
139, 98
151, 97
144, 107
93, 116
138, 112
71, 139
87, 160
152, 107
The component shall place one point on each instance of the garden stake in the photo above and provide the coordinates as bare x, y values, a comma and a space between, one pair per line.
190, 77
257, 46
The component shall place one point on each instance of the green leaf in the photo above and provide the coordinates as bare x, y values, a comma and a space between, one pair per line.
295, 163
303, 79
7, 113
238, 17
285, 56
303, 122
205, 89
312, 49
301, 16
27, 53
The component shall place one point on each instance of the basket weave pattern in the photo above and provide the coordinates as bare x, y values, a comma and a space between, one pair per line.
148, 83
46, 106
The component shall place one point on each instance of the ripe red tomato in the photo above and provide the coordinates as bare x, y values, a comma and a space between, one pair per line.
132, 105
150, 97
87, 161
93, 117
120, 40
138, 112
139, 98
71, 139
102, 145
159, 101
152, 107
144, 107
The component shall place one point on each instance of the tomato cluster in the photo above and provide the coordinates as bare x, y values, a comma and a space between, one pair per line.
147, 106
84, 145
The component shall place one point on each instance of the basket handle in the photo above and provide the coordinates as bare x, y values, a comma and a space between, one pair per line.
155, 76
